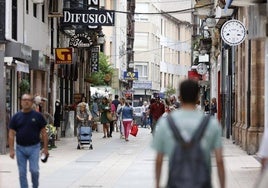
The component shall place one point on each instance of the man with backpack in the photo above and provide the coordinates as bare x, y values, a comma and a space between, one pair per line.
187, 137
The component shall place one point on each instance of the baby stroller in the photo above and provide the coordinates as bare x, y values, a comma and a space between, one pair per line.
84, 134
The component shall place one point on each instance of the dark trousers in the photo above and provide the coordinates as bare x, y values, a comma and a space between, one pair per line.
111, 128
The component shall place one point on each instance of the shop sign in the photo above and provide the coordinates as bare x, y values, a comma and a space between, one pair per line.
94, 59
142, 85
194, 75
80, 40
131, 75
63, 55
90, 17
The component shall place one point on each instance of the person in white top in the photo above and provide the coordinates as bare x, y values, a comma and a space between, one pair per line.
144, 109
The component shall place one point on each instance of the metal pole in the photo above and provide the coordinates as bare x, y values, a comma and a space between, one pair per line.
3, 128
130, 38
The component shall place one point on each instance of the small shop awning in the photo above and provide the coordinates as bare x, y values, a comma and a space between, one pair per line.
20, 66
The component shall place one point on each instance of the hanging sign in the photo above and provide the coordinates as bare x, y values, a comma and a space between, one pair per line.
80, 40
90, 17
94, 59
131, 75
63, 55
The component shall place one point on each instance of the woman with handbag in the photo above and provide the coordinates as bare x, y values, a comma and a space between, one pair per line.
127, 118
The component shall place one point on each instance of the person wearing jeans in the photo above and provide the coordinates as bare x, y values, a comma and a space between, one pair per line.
127, 118
26, 126
30, 153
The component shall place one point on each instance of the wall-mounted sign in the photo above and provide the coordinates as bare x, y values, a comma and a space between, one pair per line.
142, 85
90, 17
63, 55
94, 59
80, 40
131, 75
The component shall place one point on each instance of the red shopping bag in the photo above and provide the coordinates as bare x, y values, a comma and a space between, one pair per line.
134, 130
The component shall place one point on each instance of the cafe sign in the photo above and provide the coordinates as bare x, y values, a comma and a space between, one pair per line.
80, 40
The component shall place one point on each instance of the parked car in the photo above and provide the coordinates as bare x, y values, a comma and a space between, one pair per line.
138, 115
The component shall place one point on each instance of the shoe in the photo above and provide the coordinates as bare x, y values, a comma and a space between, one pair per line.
104, 137
127, 140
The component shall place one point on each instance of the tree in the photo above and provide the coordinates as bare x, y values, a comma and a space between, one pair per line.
104, 75
169, 91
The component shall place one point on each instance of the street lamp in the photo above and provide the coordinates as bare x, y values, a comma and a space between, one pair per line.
101, 38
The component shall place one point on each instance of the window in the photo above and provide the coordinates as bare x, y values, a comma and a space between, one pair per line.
52, 36
43, 13
14, 19
35, 10
141, 41
142, 69
27, 6
141, 8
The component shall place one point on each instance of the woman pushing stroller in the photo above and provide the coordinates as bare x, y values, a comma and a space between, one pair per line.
84, 131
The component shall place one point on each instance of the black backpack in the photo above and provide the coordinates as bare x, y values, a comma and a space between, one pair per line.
188, 167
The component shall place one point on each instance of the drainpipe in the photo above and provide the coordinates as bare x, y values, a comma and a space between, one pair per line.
266, 88
249, 84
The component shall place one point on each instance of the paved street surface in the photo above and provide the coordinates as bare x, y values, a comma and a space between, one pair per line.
114, 163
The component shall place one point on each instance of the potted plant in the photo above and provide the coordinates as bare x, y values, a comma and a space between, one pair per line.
24, 86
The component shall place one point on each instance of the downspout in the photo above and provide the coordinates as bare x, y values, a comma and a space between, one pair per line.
266, 88
249, 84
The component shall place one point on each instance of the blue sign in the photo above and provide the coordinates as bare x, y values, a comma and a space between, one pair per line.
142, 85
131, 75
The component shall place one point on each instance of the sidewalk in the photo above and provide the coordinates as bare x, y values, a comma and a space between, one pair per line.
114, 163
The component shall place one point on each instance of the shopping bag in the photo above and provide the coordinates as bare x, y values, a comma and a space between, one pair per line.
134, 130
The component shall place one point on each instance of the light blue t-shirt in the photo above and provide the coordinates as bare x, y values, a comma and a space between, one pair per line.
187, 122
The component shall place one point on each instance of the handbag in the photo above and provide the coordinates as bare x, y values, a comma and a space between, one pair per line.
134, 130
111, 116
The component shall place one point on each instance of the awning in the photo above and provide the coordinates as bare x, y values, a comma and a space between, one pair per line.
20, 66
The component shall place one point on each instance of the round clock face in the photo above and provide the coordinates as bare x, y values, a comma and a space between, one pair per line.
233, 32
201, 68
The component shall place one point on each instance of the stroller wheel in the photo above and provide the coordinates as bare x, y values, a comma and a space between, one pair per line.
78, 146
91, 147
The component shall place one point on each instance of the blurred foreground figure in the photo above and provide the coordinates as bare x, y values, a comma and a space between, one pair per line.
187, 121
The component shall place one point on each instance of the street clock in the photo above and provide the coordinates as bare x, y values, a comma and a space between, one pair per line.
233, 32
201, 68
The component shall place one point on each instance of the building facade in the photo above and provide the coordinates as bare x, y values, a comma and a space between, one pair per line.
239, 72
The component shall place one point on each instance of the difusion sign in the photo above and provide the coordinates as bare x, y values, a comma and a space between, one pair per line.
90, 17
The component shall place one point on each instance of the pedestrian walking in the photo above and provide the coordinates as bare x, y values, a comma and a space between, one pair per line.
206, 107
127, 118
116, 102
104, 109
144, 109
157, 109
187, 121
213, 106
27, 125
262, 181
57, 117
119, 114
95, 114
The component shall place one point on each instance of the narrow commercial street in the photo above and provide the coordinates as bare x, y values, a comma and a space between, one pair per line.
119, 164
